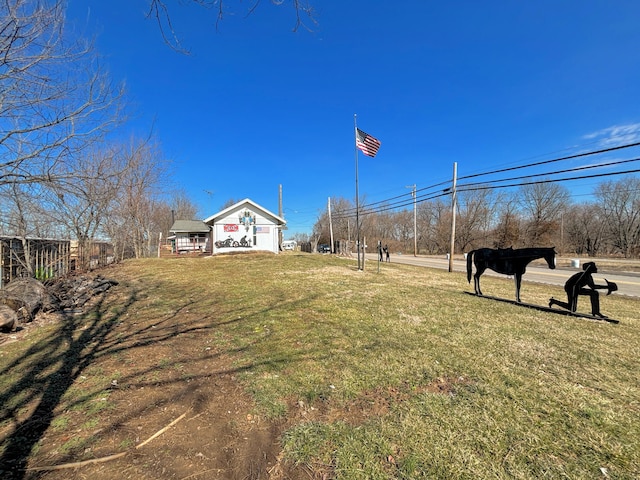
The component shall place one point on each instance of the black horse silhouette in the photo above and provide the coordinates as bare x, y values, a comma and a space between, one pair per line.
508, 261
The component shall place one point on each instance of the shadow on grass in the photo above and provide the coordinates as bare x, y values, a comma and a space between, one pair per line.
74, 354
74, 347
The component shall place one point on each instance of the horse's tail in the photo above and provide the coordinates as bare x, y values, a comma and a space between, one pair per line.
469, 260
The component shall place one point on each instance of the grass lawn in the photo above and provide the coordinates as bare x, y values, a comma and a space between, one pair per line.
396, 374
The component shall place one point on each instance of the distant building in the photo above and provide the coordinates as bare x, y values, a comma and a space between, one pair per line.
245, 226
190, 236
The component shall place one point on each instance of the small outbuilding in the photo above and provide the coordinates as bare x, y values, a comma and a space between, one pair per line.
245, 226
190, 236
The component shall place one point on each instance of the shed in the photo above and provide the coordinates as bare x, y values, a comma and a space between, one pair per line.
190, 236
245, 226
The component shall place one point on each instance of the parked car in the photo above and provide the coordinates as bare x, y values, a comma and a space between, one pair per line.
324, 248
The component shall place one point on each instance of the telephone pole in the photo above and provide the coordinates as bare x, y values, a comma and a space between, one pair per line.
415, 223
330, 223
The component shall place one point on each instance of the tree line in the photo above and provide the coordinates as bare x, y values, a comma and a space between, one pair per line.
539, 214
67, 169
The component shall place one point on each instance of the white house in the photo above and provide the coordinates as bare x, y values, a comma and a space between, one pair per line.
245, 226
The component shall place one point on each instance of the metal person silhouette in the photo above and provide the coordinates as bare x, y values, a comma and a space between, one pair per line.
582, 283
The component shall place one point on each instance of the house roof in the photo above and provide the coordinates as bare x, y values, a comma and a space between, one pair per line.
190, 226
242, 204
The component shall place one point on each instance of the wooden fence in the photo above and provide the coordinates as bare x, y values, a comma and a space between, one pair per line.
49, 258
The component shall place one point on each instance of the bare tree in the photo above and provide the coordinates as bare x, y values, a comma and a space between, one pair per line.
80, 199
160, 11
131, 225
165, 210
542, 204
477, 210
440, 228
301, 237
343, 218
508, 230
229, 203
54, 98
177, 207
402, 230
585, 229
620, 203
19, 221
426, 217
320, 232
74, 206
380, 226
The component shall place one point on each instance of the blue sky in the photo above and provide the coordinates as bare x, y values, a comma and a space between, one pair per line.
483, 84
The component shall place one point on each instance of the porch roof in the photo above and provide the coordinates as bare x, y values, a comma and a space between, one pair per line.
189, 226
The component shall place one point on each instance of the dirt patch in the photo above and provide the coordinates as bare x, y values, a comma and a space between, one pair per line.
215, 435
144, 379
370, 404
218, 436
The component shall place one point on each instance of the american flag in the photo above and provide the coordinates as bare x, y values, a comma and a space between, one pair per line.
368, 144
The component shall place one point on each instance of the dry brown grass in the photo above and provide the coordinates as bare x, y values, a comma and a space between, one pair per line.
307, 361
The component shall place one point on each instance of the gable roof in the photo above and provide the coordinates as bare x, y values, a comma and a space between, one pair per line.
189, 226
242, 204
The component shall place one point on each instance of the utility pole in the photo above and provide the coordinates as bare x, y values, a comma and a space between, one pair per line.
280, 213
330, 224
453, 216
415, 223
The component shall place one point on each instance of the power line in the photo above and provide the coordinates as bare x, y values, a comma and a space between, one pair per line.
545, 162
597, 175
556, 172
424, 198
385, 206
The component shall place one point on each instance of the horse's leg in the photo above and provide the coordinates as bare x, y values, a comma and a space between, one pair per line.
518, 280
476, 280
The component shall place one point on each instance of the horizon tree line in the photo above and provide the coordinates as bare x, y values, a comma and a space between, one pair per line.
540, 214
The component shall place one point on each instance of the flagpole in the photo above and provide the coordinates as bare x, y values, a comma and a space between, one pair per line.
355, 131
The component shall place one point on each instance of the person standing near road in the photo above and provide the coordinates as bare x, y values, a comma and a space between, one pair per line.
386, 253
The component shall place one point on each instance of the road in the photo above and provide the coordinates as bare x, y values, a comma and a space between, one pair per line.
628, 283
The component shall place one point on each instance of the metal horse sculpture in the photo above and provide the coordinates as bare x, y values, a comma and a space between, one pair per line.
508, 261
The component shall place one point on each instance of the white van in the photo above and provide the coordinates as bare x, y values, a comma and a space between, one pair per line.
289, 245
